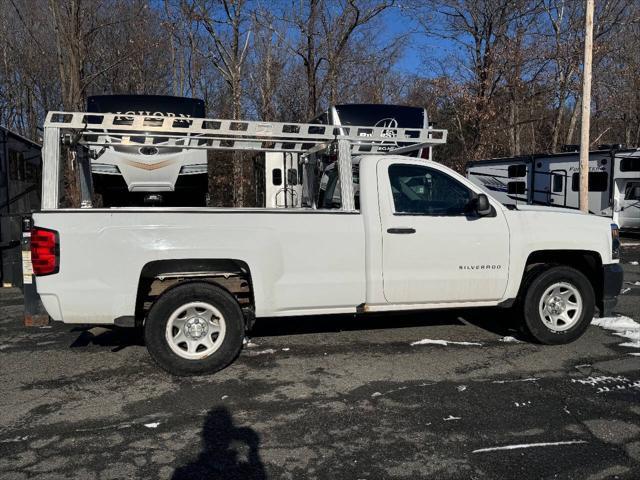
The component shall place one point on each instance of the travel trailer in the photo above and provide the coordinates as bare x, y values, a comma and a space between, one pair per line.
283, 179
154, 170
20, 184
554, 179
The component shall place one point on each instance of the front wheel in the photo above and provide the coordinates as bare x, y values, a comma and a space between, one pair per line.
558, 306
194, 329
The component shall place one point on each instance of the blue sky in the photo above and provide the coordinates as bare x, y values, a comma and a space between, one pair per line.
420, 47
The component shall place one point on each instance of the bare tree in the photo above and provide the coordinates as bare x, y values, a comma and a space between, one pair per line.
225, 23
323, 30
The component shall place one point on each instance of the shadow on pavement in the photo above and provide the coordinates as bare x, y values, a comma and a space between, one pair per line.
119, 338
501, 321
495, 320
228, 452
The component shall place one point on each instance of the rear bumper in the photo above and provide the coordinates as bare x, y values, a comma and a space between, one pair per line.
612, 277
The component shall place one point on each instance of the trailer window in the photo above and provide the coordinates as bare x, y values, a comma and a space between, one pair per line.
516, 188
598, 181
17, 166
292, 176
631, 191
276, 177
515, 171
558, 183
630, 165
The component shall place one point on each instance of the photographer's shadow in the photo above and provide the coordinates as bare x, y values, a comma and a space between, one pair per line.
228, 452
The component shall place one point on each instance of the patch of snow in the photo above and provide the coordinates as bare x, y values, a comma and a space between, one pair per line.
15, 439
635, 354
582, 365
376, 394
529, 445
246, 341
633, 263
451, 417
263, 352
286, 349
522, 404
152, 425
428, 341
604, 383
461, 388
224, 397
621, 326
625, 290
2, 347
599, 380
531, 379
636, 283
509, 339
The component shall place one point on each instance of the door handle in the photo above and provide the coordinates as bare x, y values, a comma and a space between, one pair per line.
401, 230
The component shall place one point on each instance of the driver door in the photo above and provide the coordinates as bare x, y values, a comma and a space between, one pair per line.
435, 250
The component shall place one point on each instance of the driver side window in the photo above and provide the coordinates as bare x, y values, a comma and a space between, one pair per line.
422, 190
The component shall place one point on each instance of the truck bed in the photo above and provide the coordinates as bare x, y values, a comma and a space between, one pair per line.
301, 260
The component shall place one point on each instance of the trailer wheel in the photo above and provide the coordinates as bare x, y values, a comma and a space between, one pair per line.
558, 306
194, 329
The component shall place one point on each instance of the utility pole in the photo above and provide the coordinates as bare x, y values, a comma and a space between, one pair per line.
586, 106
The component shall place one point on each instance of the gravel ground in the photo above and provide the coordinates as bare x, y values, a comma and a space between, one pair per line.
327, 397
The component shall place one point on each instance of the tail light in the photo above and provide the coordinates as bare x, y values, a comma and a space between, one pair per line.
45, 251
615, 241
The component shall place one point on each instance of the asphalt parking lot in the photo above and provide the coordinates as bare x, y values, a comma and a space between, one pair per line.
337, 397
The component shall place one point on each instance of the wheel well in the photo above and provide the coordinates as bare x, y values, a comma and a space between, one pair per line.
585, 261
231, 275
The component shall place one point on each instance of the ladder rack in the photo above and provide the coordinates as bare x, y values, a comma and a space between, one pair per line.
91, 129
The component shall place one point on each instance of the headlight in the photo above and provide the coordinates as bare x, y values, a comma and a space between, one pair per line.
104, 168
193, 169
615, 241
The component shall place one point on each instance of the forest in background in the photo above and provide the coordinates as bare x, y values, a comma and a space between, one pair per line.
503, 76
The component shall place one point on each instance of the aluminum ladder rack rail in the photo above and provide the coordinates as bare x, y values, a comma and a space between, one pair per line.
106, 129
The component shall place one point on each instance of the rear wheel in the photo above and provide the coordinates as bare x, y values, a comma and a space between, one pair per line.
194, 329
558, 306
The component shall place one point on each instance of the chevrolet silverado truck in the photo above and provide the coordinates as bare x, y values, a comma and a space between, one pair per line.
417, 236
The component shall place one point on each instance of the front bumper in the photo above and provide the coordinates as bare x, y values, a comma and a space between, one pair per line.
612, 278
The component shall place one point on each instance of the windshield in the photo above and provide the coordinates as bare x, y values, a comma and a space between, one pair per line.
157, 105
392, 116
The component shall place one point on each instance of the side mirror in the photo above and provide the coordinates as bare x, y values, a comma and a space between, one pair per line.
483, 207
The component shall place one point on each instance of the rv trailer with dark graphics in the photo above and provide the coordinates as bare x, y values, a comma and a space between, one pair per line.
136, 171
20, 185
283, 183
554, 179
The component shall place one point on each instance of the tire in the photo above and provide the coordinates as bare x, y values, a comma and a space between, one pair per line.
194, 329
558, 306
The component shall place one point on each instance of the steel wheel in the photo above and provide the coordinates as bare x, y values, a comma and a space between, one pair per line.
560, 306
195, 330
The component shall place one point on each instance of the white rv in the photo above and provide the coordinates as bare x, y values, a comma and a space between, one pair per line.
283, 178
136, 170
553, 179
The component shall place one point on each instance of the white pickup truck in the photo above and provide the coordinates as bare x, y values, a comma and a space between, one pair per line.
418, 236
